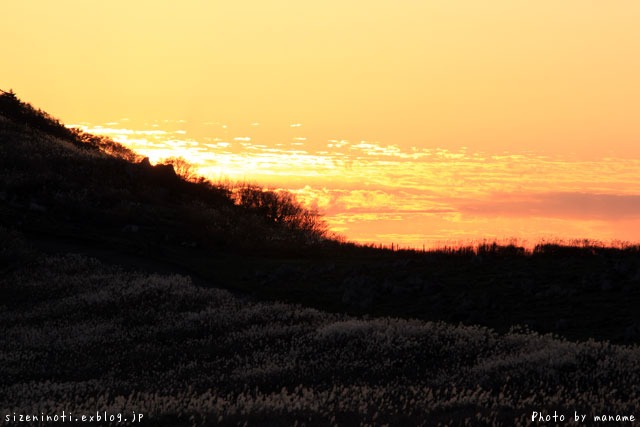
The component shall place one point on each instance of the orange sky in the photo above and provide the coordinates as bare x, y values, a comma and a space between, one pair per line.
555, 82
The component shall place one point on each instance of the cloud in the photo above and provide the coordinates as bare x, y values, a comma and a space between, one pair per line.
585, 206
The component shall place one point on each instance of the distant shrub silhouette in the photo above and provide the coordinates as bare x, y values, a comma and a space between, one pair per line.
106, 145
282, 208
183, 168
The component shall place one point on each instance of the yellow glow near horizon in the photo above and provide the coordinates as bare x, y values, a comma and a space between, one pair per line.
386, 84
369, 192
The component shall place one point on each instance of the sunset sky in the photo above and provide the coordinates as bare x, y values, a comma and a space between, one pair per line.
404, 121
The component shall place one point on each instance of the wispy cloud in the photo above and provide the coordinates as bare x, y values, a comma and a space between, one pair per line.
370, 190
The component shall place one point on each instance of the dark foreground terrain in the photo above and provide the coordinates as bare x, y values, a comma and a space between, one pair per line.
81, 336
126, 287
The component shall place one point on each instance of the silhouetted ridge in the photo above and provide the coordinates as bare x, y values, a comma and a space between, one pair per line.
23, 113
62, 180
265, 243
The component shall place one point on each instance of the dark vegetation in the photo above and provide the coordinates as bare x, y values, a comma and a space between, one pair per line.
58, 184
230, 358
81, 336
62, 181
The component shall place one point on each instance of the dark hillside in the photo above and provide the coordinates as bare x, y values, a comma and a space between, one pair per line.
61, 181
25, 114
80, 336
66, 190
110, 301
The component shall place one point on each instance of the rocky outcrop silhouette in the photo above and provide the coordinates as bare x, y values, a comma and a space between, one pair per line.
159, 174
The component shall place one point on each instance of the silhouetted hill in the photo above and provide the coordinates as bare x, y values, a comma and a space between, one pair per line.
111, 307
65, 182
64, 189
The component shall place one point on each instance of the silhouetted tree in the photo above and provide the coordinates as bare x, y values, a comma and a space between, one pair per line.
183, 168
282, 208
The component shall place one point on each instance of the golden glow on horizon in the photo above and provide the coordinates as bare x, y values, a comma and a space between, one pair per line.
370, 192
431, 120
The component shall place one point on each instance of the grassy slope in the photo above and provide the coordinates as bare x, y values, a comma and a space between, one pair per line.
81, 336
67, 316
66, 193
